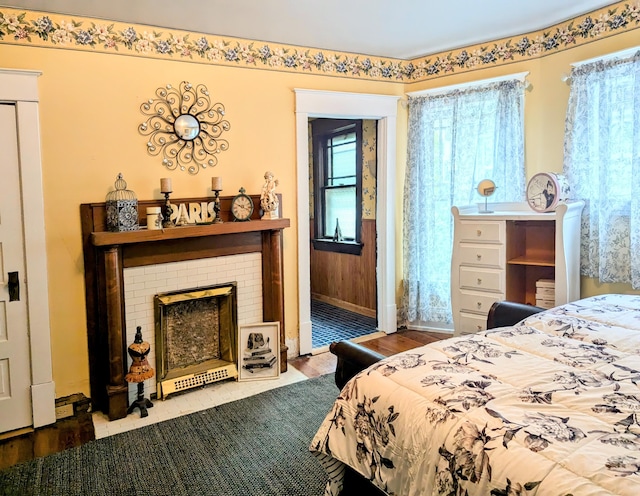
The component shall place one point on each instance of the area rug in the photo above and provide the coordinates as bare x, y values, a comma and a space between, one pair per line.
254, 446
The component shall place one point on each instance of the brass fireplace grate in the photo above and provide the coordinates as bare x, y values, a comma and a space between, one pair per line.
196, 380
196, 333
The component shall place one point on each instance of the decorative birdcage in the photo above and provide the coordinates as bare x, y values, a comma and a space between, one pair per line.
122, 208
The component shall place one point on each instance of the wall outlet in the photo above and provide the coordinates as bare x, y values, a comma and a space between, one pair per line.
64, 411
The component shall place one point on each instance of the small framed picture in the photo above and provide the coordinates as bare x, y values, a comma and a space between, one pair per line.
258, 351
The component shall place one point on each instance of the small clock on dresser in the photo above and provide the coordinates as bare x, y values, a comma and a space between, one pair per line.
241, 206
546, 190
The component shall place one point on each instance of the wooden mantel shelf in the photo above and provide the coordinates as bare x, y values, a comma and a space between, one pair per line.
106, 238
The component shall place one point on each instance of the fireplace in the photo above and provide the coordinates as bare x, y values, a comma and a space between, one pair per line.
108, 254
195, 337
144, 283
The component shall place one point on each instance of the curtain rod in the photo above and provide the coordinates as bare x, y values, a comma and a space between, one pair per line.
521, 76
627, 52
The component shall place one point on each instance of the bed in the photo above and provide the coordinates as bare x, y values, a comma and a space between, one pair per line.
548, 406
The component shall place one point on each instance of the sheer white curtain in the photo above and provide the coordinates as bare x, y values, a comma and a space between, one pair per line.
602, 163
456, 139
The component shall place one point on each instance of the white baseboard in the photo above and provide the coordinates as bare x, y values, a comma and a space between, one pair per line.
43, 398
419, 325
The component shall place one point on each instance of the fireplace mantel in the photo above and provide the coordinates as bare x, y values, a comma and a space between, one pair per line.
106, 254
106, 238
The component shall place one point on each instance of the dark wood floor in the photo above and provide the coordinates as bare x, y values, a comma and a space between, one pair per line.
325, 363
26, 444
23, 445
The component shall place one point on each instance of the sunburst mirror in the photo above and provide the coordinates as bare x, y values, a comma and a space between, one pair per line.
184, 127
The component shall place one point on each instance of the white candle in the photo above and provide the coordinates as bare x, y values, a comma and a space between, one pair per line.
165, 185
216, 183
154, 218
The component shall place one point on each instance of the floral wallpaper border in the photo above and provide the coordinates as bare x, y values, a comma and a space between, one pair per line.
57, 31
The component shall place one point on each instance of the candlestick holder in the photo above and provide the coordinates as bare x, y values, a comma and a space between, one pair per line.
167, 210
216, 206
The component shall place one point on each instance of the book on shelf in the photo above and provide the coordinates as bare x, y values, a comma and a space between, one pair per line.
545, 303
546, 293
545, 283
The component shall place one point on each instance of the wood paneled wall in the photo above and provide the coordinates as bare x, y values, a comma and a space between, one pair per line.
348, 281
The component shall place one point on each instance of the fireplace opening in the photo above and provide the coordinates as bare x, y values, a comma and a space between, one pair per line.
196, 332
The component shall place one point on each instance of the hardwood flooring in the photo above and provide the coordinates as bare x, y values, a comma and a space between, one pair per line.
26, 444
17, 447
325, 363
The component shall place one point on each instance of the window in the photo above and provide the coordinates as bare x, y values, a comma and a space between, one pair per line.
337, 184
602, 164
457, 138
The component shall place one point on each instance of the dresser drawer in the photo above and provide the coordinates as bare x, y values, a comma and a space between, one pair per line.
468, 323
482, 279
477, 302
482, 255
482, 232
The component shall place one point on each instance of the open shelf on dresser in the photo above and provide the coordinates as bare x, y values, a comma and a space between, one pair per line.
503, 254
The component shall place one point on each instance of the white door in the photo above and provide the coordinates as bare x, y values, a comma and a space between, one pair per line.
15, 367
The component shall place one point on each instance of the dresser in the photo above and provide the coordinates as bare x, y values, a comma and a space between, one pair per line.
508, 254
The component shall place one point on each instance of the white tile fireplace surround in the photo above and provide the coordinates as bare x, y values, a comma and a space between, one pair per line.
141, 284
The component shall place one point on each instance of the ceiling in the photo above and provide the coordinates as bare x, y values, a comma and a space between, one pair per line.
403, 29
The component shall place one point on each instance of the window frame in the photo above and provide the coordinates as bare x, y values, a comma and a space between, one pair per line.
322, 131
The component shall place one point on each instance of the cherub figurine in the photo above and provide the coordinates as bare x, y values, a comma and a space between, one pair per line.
268, 198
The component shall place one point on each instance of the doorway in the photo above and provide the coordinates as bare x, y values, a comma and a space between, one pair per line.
342, 225
383, 109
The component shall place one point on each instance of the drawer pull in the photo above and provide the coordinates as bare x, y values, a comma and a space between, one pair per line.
479, 327
479, 281
479, 305
479, 232
479, 257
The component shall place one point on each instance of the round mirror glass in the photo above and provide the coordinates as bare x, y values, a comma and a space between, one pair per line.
187, 127
486, 187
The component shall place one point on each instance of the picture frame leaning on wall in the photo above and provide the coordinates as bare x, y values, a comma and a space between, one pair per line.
258, 351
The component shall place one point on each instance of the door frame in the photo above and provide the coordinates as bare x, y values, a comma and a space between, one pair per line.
340, 105
20, 87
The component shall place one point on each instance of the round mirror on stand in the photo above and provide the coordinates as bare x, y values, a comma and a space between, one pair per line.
486, 188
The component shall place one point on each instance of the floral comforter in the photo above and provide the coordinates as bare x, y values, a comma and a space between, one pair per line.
548, 407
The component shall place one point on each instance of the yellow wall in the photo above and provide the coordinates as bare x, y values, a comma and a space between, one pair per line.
89, 114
